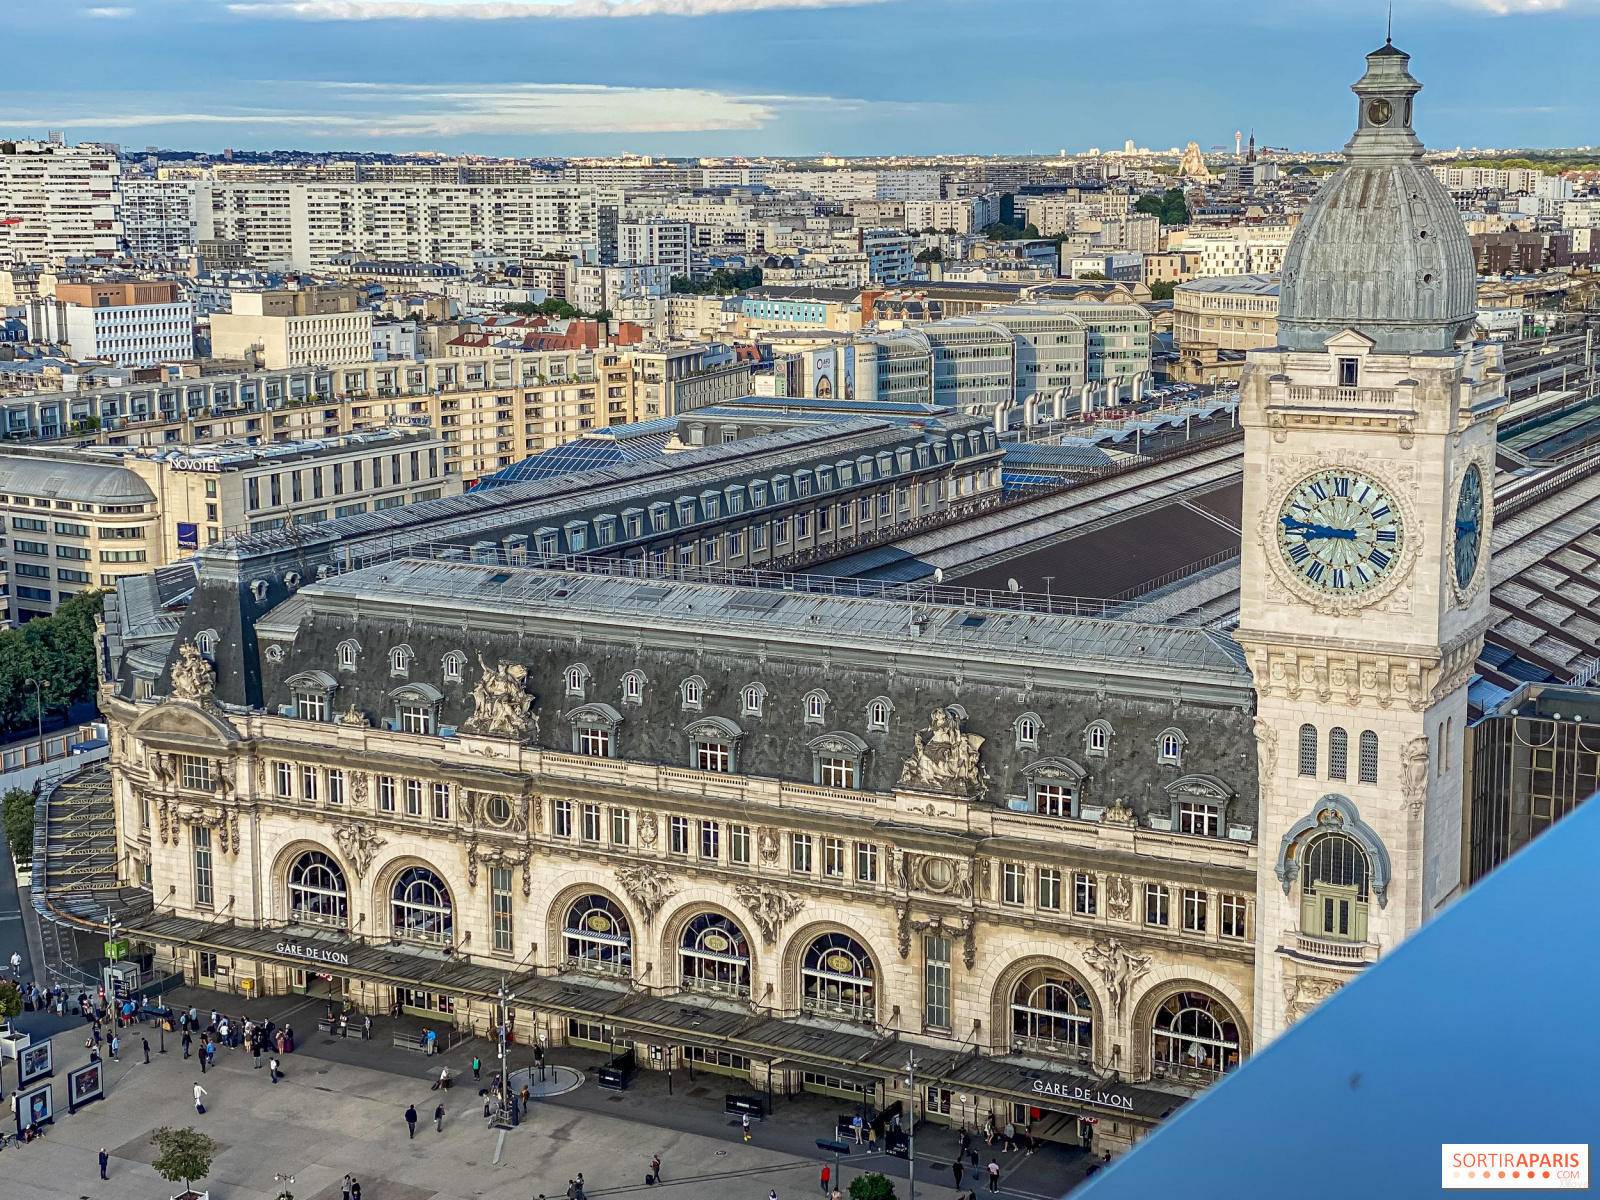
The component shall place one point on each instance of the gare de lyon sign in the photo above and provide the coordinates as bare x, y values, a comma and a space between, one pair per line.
1078, 1094
337, 958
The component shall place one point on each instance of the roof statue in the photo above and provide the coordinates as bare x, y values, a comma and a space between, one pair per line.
502, 705
943, 757
193, 678
1193, 164
1382, 249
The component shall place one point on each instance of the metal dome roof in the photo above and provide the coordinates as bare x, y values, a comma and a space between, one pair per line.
1382, 248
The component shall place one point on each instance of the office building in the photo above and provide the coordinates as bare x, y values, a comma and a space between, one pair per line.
133, 324
282, 329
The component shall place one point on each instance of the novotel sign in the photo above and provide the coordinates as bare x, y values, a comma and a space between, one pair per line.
1079, 1094
313, 953
185, 463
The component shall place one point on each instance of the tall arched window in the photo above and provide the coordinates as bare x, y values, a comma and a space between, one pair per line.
836, 977
1193, 1032
1338, 753
1369, 756
1051, 1011
1308, 751
317, 892
348, 649
714, 956
596, 936
1334, 888
420, 907
454, 664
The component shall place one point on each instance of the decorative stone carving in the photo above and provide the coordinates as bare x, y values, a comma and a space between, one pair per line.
940, 876
358, 786
472, 862
193, 678
233, 832
258, 590
274, 654
261, 776
969, 940
1305, 992
770, 907
649, 828
767, 843
897, 868
1414, 773
944, 758
648, 886
161, 767
1119, 969
360, 844
353, 717
1266, 748
503, 707
1119, 814
902, 915
164, 823
291, 580
1119, 897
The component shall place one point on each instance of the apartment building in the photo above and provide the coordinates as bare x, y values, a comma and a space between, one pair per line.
160, 217
859, 184
1069, 211
131, 323
1236, 312
284, 328
1236, 249
57, 202
654, 243
968, 215
83, 518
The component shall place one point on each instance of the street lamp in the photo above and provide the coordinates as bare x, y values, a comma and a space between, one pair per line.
911, 1126
38, 712
505, 1079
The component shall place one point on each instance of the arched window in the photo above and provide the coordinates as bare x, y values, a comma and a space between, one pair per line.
836, 977
714, 956
400, 660
577, 680
454, 664
1369, 756
317, 893
206, 642
1097, 739
751, 699
633, 688
348, 649
1335, 888
1169, 747
693, 690
1026, 727
596, 936
1193, 1032
1308, 751
1051, 1011
1338, 753
878, 714
816, 707
420, 907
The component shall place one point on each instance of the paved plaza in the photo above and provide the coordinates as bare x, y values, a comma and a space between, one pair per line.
340, 1108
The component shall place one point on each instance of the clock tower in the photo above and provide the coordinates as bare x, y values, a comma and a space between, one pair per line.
1369, 461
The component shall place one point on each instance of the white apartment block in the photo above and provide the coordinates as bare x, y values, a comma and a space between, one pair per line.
303, 226
132, 335
293, 329
1070, 211
160, 217
57, 202
1580, 214
859, 185
964, 216
654, 244
596, 288
1239, 249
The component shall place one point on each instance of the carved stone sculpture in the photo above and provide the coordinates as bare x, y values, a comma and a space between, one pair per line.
358, 786
1119, 814
649, 829
648, 886
1414, 773
902, 915
1119, 969
1266, 748
193, 678
353, 717
944, 758
502, 704
359, 844
770, 907
1119, 898
767, 843
1304, 993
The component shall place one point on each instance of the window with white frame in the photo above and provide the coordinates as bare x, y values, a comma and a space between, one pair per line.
413, 795
751, 699
400, 661
678, 835
206, 642
1157, 905
633, 688
866, 862
621, 827
347, 652
335, 778
592, 740
577, 680
195, 773
561, 818
713, 756
710, 840
1013, 883
589, 827
1231, 915
837, 772
1199, 818
739, 844
1169, 747
1097, 739
1053, 798
454, 664
1085, 894
310, 705
415, 718
204, 890
308, 784
816, 707
693, 691
1027, 728
283, 780
441, 801
800, 848
833, 857
386, 790
878, 714
1047, 888
1194, 910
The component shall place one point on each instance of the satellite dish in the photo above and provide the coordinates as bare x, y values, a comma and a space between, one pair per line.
938, 574
1012, 586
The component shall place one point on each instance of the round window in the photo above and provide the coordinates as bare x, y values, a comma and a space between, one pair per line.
497, 810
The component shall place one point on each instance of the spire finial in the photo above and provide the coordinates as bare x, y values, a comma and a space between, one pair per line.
1388, 33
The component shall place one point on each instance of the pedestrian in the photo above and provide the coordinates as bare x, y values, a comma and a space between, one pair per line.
655, 1167
344, 1190
205, 1058
199, 1098
856, 1124
355, 1189
272, 1069
744, 1123
1011, 1137
824, 1178
366, 1029
344, 1025
145, 1042
538, 1061
994, 1175
411, 1119
956, 1170
187, 1042
256, 1047
476, 1067
116, 1048
433, 1041
438, 1118
104, 1159
872, 1138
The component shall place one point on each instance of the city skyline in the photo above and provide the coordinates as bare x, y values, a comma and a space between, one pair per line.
780, 77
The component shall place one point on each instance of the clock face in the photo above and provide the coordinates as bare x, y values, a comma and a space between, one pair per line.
1379, 111
1340, 532
1469, 525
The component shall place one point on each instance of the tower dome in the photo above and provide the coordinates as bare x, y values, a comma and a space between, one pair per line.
1382, 249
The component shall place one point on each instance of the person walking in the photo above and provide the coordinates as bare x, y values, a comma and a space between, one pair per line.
205, 1057
824, 1177
272, 1069
366, 1029
145, 1043
344, 1025
255, 1046
438, 1118
744, 1123
344, 1190
1010, 1137
994, 1175
187, 1043
476, 1067
655, 1167
104, 1159
957, 1170
856, 1127
411, 1119
116, 1048
355, 1189
200, 1095
872, 1137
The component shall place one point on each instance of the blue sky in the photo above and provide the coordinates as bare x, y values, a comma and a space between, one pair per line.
686, 77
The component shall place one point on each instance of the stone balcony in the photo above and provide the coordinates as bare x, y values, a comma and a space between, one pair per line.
1335, 952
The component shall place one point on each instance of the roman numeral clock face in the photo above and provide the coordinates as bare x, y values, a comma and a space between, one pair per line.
1340, 532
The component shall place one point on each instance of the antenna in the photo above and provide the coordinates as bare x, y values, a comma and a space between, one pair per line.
1388, 33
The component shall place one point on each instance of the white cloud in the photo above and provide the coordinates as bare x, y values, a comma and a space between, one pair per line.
109, 14
508, 10
436, 111
1503, 8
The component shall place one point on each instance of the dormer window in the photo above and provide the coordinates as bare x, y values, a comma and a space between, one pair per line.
206, 642
577, 680
454, 664
1169, 747
693, 691
348, 649
416, 708
1097, 739
1349, 372
313, 695
878, 715
752, 699
400, 661
816, 707
633, 688
1027, 727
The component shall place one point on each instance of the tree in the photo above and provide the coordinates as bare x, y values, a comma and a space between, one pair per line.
58, 652
184, 1154
1092, 275
1161, 289
724, 281
10, 999
931, 254
18, 806
871, 1186
1170, 206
